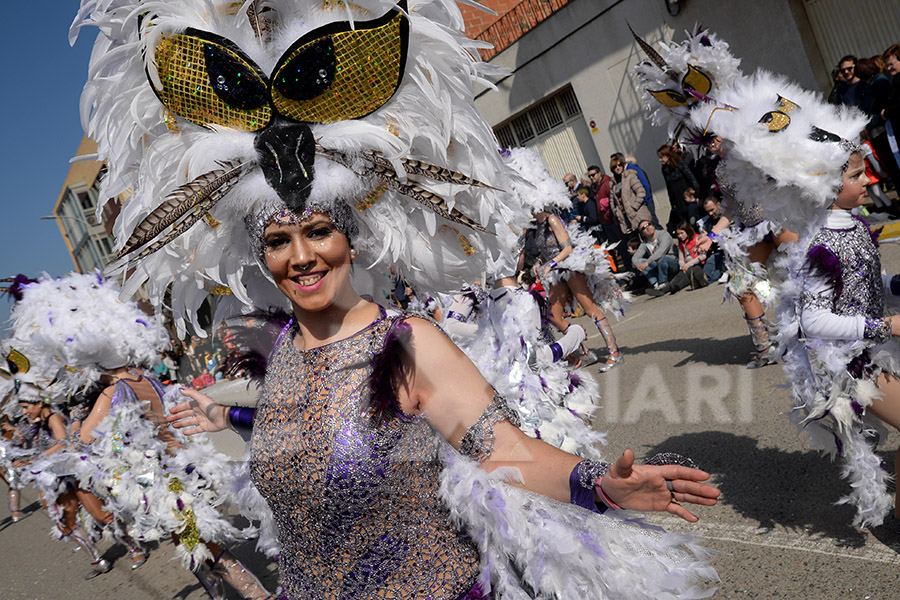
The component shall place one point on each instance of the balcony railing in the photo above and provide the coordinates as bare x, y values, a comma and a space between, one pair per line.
518, 21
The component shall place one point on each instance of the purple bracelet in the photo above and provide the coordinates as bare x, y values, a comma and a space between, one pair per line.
241, 417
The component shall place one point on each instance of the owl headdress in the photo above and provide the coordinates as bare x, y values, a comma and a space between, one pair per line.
68, 332
213, 115
682, 76
786, 147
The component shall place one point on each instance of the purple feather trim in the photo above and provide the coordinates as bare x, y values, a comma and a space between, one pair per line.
18, 285
824, 263
387, 367
874, 233
142, 322
251, 340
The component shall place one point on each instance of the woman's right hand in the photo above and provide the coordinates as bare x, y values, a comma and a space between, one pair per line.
199, 414
703, 242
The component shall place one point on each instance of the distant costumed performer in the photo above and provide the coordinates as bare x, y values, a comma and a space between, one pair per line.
152, 483
800, 159
681, 85
371, 426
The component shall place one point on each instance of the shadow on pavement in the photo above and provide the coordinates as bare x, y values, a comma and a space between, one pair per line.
731, 351
797, 490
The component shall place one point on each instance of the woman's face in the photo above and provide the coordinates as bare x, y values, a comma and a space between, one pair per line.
310, 262
853, 192
663, 159
681, 234
715, 146
32, 410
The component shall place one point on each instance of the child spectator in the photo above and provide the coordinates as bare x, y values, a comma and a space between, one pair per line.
691, 259
690, 205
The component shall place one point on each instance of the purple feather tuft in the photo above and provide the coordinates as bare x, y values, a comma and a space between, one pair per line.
823, 263
387, 366
18, 285
142, 322
250, 340
99, 277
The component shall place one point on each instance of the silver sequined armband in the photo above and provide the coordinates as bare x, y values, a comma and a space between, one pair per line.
877, 329
478, 442
589, 471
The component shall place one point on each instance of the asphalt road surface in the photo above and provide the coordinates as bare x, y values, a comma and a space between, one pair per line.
682, 388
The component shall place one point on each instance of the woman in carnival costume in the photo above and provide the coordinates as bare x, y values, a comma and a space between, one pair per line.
502, 330
681, 86
371, 428
153, 483
40, 457
568, 264
802, 157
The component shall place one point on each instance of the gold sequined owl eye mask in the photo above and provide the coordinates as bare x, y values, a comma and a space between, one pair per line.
333, 73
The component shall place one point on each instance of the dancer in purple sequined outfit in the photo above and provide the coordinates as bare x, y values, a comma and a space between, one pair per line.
348, 435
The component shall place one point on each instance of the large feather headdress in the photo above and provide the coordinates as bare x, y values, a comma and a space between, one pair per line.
683, 76
787, 147
212, 114
74, 329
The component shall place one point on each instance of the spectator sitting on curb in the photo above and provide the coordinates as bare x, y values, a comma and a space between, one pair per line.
655, 257
691, 259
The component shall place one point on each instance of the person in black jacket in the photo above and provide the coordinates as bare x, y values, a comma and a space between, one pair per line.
586, 210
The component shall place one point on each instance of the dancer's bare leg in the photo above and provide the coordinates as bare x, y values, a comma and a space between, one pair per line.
578, 285
887, 408
94, 506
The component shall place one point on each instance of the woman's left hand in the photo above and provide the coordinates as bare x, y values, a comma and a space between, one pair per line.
643, 487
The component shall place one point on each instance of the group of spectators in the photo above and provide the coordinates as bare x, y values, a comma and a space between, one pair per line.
873, 86
619, 209
197, 363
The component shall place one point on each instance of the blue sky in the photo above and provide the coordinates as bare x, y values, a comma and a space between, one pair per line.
44, 77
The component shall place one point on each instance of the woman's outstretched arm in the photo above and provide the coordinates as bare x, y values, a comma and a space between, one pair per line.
444, 386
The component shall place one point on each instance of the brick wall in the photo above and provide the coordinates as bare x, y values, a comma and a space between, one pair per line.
478, 20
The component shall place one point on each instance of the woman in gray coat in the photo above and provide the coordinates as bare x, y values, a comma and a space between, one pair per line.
627, 197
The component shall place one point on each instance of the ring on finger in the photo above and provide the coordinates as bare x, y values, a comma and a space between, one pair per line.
671, 489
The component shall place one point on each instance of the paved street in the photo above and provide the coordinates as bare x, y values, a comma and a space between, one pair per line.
682, 388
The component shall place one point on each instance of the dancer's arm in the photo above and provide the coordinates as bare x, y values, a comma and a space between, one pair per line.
818, 319
443, 385
97, 414
58, 428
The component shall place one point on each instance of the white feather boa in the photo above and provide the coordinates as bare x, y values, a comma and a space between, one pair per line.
529, 543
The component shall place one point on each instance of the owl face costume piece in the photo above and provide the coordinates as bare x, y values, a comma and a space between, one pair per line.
786, 147
213, 115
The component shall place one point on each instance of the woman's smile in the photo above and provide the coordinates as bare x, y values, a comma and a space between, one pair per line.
309, 282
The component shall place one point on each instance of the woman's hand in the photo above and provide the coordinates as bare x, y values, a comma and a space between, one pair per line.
199, 414
704, 243
643, 487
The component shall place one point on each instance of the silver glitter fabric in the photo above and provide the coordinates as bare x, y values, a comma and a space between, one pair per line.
863, 292
749, 215
589, 471
547, 244
357, 505
478, 441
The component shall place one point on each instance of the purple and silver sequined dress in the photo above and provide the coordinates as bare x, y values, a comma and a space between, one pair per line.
836, 342
357, 505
